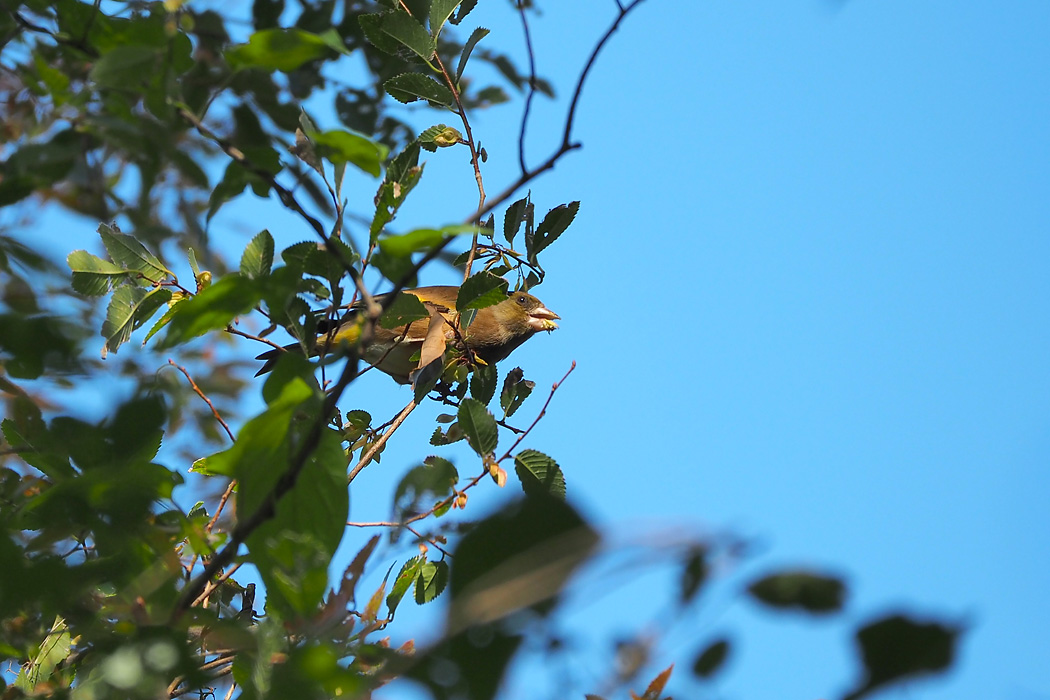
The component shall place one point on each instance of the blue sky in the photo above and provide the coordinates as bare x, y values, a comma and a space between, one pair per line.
807, 293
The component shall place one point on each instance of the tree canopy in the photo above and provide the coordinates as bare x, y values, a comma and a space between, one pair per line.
148, 118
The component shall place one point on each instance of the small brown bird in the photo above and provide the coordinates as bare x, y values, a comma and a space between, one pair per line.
495, 332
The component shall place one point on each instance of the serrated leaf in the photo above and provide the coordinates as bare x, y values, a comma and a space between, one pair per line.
127, 251
475, 36
405, 579
440, 136
92, 275
192, 259
539, 474
481, 290
552, 226
478, 426
464, 9
513, 218
257, 259
440, 11
483, 383
162, 321
432, 579
401, 27
409, 87
128, 309
515, 390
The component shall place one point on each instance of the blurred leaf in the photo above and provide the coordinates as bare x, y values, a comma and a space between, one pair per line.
468, 47
694, 573
53, 651
126, 67
539, 474
801, 590
898, 647
405, 309
709, 661
480, 290
213, 308
29, 346
433, 480
340, 146
257, 259
409, 87
432, 579
420, 239
478, 425
277, 49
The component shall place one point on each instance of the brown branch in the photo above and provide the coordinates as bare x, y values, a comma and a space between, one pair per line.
543, 412
197, 390
233, 331
570, 118
532, 86
378, 444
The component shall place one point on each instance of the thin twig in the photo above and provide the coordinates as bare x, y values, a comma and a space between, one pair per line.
532, 86
233, 331
210, 588
197, 390
378, 444
543, 412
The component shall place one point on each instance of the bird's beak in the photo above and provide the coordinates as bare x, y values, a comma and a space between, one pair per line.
542, 319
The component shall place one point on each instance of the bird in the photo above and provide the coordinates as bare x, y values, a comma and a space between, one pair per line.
495, 332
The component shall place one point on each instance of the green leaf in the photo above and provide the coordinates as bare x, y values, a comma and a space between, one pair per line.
128, 309
407, 31
515, 390
53, 651
539, 474
126, 67
212, 309
483, 383
799, 590
440, 11
127, 251
432, 579
711, 659
371, 26
464, 10
92, 275
513, 218
162, 321
257, 259
478, 425
420, 239
440, 136
480, 290
278, 49
405, 578
405, 308
552, 226
475, 36
898, 647
409, 87
423, 485
340, 147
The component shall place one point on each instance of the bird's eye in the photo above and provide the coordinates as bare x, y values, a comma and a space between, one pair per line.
521, 299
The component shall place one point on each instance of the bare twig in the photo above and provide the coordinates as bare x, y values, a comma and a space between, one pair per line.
378, 444
197, 390
532, 86
543, 412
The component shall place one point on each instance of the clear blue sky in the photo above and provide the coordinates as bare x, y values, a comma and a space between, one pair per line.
807, 292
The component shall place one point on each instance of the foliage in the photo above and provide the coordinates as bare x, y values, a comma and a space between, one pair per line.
127, 112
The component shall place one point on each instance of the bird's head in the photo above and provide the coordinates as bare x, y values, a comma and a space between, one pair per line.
525, 313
